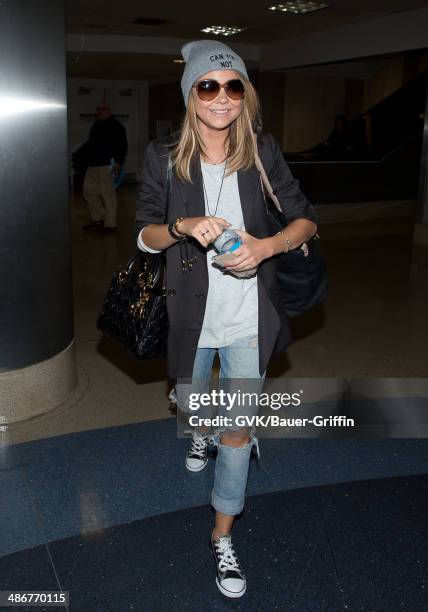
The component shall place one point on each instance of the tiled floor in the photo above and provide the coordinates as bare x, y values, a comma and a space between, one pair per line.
97, 499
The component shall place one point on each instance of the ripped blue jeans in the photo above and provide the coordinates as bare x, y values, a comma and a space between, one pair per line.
239, 360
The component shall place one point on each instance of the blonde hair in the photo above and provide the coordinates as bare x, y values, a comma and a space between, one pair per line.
240, 140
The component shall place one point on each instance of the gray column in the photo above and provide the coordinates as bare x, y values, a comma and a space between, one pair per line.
37, 365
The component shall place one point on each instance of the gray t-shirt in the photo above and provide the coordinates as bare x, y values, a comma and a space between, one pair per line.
231, 309
232, 303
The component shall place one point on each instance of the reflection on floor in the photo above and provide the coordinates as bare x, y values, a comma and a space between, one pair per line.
113, 475
111, 514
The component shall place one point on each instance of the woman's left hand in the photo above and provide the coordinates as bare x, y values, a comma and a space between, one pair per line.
250, 254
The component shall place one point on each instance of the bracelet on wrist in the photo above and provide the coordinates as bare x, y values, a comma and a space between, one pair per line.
176, 230
287, 241
173, 231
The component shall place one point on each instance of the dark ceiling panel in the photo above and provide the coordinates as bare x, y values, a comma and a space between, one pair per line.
186, 19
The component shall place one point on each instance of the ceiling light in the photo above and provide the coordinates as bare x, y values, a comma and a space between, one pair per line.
300, 7
223, 30
179, 61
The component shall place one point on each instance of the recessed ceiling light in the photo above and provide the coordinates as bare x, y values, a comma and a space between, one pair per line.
300, 7
222, 30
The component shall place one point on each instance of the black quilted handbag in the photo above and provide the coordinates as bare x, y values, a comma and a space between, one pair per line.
134, 310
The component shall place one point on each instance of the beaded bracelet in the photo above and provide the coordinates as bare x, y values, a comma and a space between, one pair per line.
287, 241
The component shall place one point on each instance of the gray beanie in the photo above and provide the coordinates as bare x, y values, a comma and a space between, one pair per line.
202, 56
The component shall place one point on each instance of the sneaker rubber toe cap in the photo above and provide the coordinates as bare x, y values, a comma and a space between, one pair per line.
194, 464
233, 586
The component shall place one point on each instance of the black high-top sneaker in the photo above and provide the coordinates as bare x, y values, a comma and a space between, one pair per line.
197, 455
230, 578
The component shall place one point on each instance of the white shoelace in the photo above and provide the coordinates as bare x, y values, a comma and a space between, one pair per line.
198, 446
228, 560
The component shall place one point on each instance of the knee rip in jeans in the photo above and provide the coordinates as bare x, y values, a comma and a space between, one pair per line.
216, 441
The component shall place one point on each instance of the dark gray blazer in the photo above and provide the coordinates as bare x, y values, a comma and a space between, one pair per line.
187, 293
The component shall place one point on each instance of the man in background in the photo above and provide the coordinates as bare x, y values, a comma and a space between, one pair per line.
107, 141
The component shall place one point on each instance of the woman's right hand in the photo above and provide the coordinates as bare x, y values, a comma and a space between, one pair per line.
204, 229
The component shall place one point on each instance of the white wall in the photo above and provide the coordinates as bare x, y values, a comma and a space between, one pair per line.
132, 111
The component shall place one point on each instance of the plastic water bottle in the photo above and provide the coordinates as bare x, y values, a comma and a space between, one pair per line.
117, 179
227, 242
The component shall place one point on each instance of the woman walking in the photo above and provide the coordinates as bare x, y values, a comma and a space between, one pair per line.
214, 185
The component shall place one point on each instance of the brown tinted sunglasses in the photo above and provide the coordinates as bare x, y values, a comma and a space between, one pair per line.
209, 89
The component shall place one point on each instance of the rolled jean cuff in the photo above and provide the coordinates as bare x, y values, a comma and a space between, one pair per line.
231, 475
226, 506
